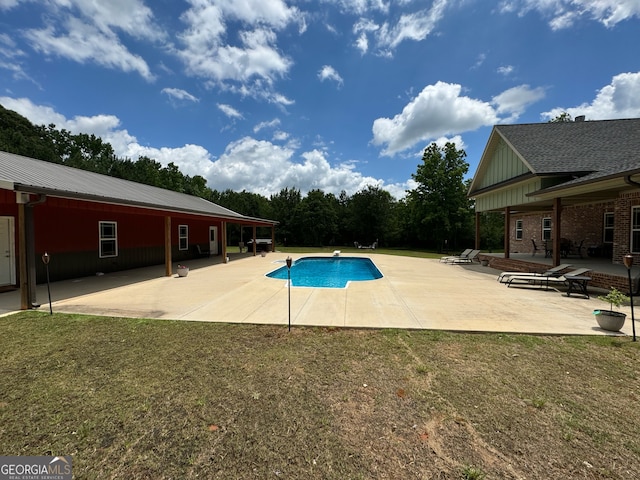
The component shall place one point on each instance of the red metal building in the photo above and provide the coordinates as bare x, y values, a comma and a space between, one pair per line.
93, 223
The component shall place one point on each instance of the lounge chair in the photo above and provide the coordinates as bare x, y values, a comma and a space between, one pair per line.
463, 254
554, 272
548, 280
468, 259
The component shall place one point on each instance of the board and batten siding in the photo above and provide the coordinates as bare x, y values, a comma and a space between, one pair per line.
504, 165
508, 196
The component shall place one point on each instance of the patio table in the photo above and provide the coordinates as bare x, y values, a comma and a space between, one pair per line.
578, 284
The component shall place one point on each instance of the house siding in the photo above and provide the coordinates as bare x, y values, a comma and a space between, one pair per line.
509, 196
68, 231
504, 165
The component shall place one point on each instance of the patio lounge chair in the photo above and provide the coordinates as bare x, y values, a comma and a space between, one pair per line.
546, 281
365, 247
463, 254
468, 259
554, 272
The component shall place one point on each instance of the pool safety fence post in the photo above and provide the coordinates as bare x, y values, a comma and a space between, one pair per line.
289, 288
45, 260
628, 262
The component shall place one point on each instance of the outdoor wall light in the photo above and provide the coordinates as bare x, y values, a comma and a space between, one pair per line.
628, 262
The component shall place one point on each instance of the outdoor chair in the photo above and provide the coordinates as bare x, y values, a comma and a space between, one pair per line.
554, 272
463, 254
202, 252
535, 247
548, 280
468, 259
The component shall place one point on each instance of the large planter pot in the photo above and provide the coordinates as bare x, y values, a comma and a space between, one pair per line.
610, 320
183, 271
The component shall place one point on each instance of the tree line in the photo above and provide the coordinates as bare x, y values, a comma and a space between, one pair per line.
436, 214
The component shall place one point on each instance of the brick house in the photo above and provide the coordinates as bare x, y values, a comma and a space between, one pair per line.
573, 184
89, 223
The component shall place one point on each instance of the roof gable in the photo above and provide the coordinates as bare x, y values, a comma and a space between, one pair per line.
588, 149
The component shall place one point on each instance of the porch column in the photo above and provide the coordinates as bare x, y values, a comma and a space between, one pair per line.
167, 247
22, 248
273, 238
507, 231
557, 233
254, 240
224, 242
477, 239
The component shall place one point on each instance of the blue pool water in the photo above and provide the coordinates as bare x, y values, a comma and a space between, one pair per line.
328, 272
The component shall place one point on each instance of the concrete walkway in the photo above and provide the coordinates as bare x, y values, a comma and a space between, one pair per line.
414, 293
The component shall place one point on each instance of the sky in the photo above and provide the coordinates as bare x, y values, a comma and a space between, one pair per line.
336, 95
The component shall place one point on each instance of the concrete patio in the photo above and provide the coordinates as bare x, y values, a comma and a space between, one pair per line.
414, 294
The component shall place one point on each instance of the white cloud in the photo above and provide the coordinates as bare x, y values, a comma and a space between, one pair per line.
271, 12
12, 58
252, 65
85, 43
360, 7
280, 136
564, 13
412, 26
415, 26
327, 72
179, 94
247, 164
103, 126
263, 167
130, 16
362, 43
505, 70
229, 111
438, 110
7, 4
86, 31
619, 99
270, 124
515, 100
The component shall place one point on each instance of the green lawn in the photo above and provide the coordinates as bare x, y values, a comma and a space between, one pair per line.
173, 399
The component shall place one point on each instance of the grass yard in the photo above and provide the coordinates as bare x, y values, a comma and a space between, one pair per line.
172, 399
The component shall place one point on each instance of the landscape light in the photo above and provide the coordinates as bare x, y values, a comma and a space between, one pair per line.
628, 262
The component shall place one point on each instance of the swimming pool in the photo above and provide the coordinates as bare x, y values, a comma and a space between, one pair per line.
328, 272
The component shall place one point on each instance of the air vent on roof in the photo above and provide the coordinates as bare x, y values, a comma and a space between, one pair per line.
579, 118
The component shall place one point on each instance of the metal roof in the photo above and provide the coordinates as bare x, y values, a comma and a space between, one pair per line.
24, 174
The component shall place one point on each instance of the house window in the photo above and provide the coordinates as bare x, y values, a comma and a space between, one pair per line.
546, 229
635, 230
607, 236
183, 237
108, 239
518, 229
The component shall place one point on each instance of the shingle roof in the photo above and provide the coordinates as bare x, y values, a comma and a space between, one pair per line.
600, 148
37, 176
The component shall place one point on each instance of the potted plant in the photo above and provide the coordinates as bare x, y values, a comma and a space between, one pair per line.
612, 320
183, 270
